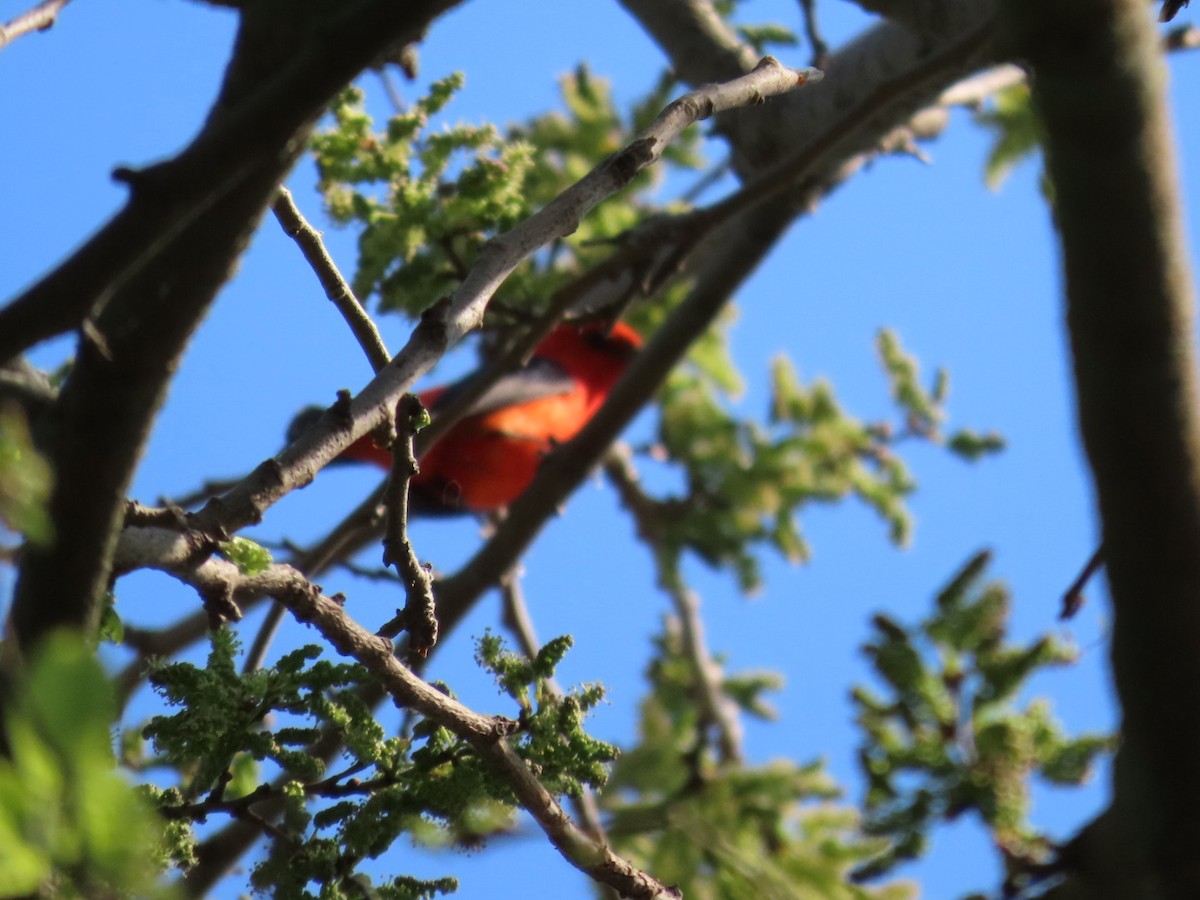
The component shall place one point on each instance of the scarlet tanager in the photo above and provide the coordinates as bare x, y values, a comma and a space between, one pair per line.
491, 455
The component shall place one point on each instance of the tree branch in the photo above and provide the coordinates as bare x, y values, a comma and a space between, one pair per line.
358, 529
820, 49
337, 289
699, 47
1098, 84
253, 121
417, 617
40, 18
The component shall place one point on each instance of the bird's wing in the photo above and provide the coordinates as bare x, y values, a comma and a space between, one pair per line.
541, 378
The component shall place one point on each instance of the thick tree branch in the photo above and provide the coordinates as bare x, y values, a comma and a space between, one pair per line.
174, 552
1099, 86
700, 47
580, 850
147, 278
698, 43
255, 121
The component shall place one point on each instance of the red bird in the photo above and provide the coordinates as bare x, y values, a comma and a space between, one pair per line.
489, 457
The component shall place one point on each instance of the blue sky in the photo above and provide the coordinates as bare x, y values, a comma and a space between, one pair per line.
968, 278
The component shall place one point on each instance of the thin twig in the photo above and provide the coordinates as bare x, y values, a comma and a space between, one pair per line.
390, 89
708, 179
337, 289
40, 18
515, 617
209, 489
418, 617
332, 787
368, 573
1072, 599
820, 49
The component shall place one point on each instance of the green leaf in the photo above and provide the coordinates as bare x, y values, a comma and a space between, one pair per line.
25, 479
249, 557
972, 446
948, 737
1017, 132
763, 37
112, 629
64, 812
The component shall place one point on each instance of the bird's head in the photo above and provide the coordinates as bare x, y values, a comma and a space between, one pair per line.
594, 352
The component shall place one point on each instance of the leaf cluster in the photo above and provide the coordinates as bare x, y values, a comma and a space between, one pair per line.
430, 785
727, 830
427, 201
70, 826
948, 735
748, 482
551, 738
